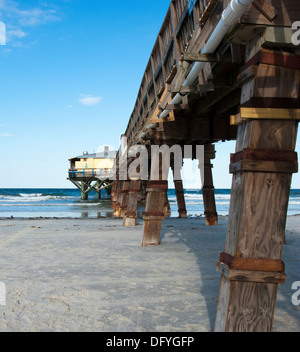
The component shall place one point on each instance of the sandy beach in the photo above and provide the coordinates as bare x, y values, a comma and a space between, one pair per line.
93, 275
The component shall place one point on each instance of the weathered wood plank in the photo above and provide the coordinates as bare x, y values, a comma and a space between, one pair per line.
193, 57
270, 113
251, 276
266, 9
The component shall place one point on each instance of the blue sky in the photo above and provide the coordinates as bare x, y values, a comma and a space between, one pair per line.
69, 77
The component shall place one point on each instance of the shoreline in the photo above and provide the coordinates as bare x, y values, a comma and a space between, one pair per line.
190, 217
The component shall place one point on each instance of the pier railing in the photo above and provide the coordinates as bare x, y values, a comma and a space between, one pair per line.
91, 173
165, 60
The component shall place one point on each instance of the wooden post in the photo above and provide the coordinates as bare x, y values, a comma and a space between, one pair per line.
118, 198
182, 213
144, 192
262, 167
134, 190
114, 194
208, 190
84, 193
99, 190
124, 198
154, 212
155, 202
179, 191
167, 208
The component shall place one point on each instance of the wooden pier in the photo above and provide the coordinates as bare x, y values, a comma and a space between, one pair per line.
197, 90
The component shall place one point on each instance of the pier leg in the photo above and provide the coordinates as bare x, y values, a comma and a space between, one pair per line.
179, 191
144, 193
208, 190
114, 194
154, 212
98, 190
124, 198
156, 200
167, 208
108, 191
182, 213
84, 193
262, 168
118, 198
130, 216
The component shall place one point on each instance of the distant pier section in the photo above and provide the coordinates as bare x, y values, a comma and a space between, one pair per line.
93, 172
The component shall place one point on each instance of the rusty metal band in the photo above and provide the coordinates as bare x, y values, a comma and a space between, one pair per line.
163, 185
252, 264
265, 155
256, 160
274, 59
154, 213
134, 191
130, 214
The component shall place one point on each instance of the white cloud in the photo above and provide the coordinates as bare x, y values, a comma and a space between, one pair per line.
89, 100
29, 16
70, 106
16, 33
34, 17
16, 16
5, 135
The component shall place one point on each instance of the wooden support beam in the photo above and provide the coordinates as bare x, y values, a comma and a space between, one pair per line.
268, 10
113, 194
208, 190
274, 58
256, 232
255, 160
248, 113
167, 208
207, 11
192, 57
156, 199
269, 113
251, 266
183, 106
179, 191
124, 198
133, 194
197, 89
99, 183
118, 198
163, 101
154, 212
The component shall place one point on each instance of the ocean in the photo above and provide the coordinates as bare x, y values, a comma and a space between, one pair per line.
67, 203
